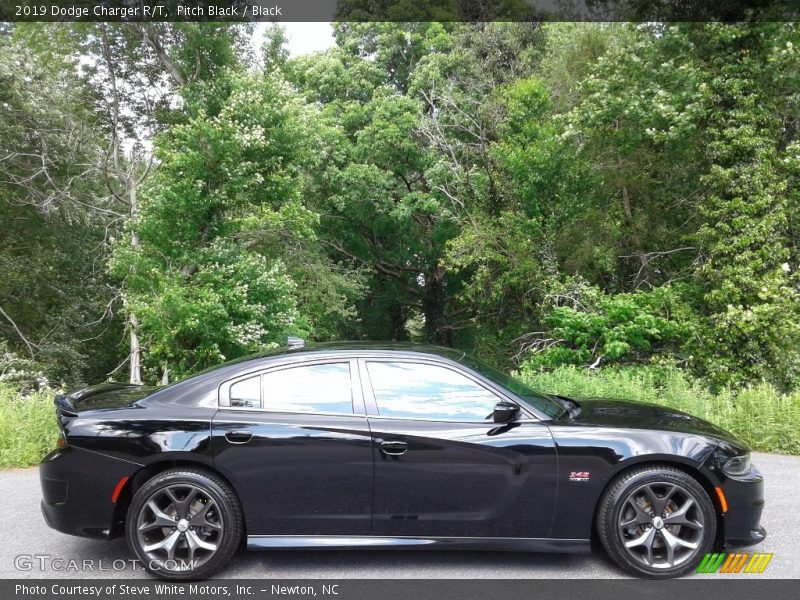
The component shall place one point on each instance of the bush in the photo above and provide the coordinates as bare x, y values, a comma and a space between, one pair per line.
28, 428
588, 324
761, 416
18, 371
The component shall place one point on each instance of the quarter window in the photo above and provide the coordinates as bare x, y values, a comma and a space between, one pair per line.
414, 390
246, 393
309, 389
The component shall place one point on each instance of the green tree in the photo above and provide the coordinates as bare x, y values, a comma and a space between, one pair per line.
750, 198
57, 304
220, 227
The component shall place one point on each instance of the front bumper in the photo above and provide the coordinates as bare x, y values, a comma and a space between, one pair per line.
76, 491
742, 522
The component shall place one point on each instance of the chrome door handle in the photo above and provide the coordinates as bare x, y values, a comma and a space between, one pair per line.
394, 448
239, 437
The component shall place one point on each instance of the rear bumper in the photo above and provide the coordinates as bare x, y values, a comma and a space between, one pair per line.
77, 486
742, 522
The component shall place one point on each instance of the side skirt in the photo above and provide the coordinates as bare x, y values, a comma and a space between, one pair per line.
275, 542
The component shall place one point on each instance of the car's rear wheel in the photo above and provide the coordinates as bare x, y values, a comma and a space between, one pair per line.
184, 524
656, 522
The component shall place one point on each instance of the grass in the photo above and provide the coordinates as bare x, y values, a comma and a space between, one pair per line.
764, 418
28, 428
761, 416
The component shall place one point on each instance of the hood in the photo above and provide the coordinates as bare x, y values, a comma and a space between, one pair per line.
605, 412
104, 395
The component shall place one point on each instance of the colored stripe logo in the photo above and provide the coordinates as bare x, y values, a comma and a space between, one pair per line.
734, 562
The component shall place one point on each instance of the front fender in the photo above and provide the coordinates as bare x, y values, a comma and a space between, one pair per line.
589, 458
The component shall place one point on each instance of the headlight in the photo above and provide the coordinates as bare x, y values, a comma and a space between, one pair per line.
737, 466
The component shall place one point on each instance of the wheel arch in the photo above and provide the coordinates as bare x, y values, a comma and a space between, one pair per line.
676, 462
147, 472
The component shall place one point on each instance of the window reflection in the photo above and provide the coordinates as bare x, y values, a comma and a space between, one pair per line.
310, 388
412, 390
246, 393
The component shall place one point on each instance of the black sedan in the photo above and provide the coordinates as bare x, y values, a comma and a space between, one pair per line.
391, 446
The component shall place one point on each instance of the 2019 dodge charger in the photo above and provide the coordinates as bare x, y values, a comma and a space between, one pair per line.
391, 446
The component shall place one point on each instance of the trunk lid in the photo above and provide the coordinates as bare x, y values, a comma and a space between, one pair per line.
102, 396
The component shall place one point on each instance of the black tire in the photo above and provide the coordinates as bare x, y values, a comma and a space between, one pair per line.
657, 546
177, 517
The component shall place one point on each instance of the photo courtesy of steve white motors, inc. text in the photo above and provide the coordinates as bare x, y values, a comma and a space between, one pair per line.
161, 589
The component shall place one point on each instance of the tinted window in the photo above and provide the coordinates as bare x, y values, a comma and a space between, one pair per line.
310, 388
413, 390
547, 405
246, 393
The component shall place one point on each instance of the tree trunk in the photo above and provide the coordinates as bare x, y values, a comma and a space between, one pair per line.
133, 322
397, 318
433, 307
643, 273
165, 374
136, 365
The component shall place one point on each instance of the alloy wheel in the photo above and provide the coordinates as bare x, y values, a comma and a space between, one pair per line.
179, 527
661, 525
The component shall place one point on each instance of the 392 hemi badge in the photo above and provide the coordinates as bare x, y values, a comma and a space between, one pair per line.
579, 475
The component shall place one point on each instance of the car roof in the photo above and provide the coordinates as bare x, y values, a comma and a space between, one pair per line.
356, 347
198, 388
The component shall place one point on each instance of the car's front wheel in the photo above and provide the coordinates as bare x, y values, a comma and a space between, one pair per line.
656, 521
184, 524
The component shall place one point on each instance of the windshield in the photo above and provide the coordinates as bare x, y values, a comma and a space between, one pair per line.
539, 401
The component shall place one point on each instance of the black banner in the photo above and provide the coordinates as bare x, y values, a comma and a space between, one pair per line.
399, 10
711, 588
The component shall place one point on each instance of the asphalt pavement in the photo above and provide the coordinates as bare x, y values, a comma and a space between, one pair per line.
30, 549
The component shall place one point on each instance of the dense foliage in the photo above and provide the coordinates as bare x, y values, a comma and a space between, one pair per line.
760, 415
542, 195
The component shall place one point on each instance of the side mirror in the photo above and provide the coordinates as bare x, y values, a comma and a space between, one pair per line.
504, 412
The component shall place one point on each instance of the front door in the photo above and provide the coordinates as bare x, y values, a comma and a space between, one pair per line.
296, 445
442, 467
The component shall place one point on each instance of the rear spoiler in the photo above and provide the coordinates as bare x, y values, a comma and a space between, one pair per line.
64, 406
104, 395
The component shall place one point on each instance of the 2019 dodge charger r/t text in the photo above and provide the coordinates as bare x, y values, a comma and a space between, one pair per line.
391, 446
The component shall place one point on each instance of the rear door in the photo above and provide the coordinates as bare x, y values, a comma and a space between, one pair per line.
442, 467
295, 443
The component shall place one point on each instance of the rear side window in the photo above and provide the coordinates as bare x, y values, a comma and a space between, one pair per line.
324, 388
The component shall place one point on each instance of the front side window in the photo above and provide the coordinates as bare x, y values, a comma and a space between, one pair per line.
324, 388
420, 391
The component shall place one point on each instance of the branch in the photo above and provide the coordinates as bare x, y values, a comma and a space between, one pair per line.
529, 343
151, 37
19, 333
647, 257
119, 366
113, 148
146, 169
390, 270
651, 255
